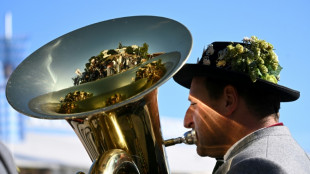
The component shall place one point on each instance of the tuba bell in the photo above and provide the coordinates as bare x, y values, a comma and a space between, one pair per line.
124, 136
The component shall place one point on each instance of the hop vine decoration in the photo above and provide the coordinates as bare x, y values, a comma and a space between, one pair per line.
68, 104
255, 57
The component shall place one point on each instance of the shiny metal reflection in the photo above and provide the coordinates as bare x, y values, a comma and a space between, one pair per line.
125, 133
133, 128
51, 67
116, 161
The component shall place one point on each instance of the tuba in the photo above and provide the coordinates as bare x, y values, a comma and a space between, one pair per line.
124, 136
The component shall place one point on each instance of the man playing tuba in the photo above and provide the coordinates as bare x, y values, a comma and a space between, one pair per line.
234, 109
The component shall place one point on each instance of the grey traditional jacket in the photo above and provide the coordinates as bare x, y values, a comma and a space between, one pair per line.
269, 150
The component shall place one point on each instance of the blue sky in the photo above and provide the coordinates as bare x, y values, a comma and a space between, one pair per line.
285, 24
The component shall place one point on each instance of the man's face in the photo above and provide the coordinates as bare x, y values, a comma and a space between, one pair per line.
204, 116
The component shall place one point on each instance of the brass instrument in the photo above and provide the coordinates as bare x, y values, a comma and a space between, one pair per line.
124, 137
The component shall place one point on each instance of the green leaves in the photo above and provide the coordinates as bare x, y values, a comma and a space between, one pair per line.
254, 57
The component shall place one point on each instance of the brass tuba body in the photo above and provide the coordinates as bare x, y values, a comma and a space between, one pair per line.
133, 128
124, 137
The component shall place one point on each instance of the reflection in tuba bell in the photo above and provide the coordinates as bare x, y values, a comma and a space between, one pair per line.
119, 137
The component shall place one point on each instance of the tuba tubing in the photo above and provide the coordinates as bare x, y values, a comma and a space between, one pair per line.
189, 138
114, 161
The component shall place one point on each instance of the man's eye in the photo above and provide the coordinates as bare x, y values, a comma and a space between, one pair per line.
193, 104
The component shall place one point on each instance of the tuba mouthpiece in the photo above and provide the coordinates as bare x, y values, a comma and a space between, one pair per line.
189, 138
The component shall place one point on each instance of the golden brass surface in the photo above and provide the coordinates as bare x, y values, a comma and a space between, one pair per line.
114, 161
134, 128
124, 137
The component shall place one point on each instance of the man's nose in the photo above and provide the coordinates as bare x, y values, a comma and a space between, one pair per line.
188, 119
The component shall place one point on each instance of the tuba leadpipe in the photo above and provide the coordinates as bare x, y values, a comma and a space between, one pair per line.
189, 138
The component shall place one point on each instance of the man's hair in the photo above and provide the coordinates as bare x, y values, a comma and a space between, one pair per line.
260, 102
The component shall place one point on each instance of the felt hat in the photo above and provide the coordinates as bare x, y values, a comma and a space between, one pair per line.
251, 62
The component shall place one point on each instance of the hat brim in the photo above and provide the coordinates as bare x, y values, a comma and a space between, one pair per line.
185, 75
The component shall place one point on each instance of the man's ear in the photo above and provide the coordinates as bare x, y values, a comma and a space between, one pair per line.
231, 99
